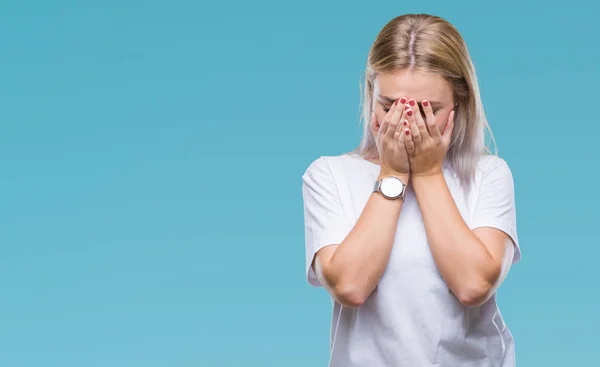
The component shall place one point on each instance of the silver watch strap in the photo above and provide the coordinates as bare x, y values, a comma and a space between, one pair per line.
377, 185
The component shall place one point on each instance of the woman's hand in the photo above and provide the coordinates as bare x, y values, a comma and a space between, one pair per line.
393, 156
425, 144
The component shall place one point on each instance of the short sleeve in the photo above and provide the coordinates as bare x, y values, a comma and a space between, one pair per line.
496, 201
324, 219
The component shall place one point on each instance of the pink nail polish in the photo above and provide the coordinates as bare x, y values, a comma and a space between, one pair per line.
403, 100
409, 112
407, 132
411, 102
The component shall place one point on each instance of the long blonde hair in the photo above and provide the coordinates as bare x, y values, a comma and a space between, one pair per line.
430, 44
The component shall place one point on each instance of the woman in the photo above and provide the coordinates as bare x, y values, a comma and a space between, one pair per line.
413, 232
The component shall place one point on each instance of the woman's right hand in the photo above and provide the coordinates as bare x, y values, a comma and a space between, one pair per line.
393, 157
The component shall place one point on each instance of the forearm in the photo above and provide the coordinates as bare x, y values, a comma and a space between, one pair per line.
461, 257
356, 266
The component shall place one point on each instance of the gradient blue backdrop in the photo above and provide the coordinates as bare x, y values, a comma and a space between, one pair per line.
151, 155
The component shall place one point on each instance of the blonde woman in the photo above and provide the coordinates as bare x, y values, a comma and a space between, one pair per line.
413, 232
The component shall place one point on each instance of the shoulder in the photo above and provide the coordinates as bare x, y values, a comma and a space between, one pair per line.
492, 165
323, 166
492, 174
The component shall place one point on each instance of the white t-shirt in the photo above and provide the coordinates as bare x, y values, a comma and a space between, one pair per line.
412, 319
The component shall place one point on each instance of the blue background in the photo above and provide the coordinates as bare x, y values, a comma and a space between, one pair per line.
151, 155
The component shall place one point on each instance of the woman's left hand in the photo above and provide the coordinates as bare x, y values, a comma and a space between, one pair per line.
425, 144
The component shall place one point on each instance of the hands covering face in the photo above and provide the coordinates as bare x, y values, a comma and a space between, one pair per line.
425, 144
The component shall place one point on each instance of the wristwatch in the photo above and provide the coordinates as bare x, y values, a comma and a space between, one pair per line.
390, 187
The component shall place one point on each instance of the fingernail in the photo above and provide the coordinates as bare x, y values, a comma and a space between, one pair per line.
425, 103
405, 123
395, 102
403, 100
407, 131
411, 102
409, 112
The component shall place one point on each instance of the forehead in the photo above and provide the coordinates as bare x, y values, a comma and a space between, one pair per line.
413, 84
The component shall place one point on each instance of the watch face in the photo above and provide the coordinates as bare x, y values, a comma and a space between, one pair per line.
391, 187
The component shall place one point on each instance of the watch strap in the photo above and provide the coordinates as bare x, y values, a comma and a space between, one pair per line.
377, 185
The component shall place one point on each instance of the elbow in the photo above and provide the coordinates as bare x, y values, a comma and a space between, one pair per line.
477, 292
473, 296
349, 295
345, 292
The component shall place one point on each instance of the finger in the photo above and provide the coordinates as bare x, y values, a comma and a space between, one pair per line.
392, 128
398, 133
396, 117
402, 103
412, 124
408, 141
402, 123
417, 115
447, 135
386, 119
402, 107
418, 118
389, 115
393, 121
399, 110
430, 122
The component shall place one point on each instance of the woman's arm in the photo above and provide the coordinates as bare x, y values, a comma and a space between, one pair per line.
470, 261
351, 270
351, 266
